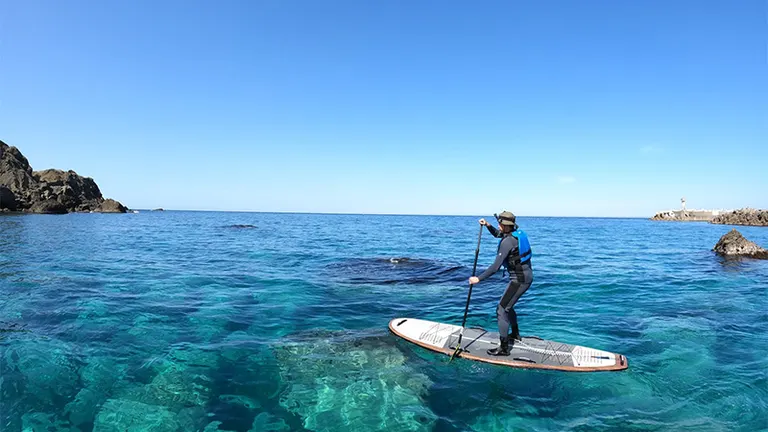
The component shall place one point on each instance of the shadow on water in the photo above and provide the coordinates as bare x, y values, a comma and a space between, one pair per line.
240, 226
738, 263
395, 270
12, 327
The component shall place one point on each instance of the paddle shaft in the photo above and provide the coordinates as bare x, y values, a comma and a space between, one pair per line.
469, 295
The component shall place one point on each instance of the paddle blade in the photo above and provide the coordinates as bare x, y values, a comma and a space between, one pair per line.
454, 354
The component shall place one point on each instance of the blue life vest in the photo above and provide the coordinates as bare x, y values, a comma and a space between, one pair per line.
523, 247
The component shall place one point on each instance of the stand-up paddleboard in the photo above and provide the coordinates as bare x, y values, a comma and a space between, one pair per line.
531, 352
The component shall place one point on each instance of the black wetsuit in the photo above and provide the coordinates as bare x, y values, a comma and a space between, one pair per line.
521, 277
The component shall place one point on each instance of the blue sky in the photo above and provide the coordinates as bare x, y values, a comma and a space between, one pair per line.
588, 108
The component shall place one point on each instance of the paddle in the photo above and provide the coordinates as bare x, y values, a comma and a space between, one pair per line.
469, 295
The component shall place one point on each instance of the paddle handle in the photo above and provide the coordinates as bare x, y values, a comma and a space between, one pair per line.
477, 251
469, 295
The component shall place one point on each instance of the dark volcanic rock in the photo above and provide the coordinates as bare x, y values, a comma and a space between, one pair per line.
111, 206
47, 191
15, 171
7, 199
734, 244
49, 206
745, 216
83, 187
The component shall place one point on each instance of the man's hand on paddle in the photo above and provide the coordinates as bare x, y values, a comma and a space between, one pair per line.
474, 280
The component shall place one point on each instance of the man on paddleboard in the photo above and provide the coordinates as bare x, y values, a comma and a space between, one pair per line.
514, 254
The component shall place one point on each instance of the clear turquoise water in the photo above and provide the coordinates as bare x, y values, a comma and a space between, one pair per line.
178, 321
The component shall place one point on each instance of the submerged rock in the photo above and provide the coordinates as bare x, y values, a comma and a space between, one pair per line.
395, 270
36, 421
98, 378
399, 260
744, 216
734, 244
47, 191
179, 386
240, 400
84, 407
47, 369
175, 385
266, 422
214, 427
117, 415
345, 381
11, 327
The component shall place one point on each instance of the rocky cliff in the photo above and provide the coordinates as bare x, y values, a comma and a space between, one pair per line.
48, 191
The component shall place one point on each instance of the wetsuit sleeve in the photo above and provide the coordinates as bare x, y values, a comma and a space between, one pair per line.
493, 230
505, 248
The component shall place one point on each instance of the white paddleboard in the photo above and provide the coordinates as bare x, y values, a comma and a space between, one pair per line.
530, 352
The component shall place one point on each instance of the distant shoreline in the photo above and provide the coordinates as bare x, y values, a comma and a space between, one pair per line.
740, 217
355, 214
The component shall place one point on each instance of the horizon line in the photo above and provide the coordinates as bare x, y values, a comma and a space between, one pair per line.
371, 214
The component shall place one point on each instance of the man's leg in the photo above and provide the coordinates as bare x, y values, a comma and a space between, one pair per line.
513, 322
509, 302
503, 319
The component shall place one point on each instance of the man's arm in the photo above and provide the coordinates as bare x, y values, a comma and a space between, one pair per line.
492, 229
505, 248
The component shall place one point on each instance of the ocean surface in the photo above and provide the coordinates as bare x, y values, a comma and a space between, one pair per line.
197, 321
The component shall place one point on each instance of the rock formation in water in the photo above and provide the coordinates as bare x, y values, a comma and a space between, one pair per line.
666, 215
746, 216
733, 244
367, 384
47, 191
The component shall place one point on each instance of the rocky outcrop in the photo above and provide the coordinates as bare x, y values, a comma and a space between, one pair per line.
684, 215
48, 191
15, 175
49, 206
667, 215
746, 216
111, 206
733, 244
